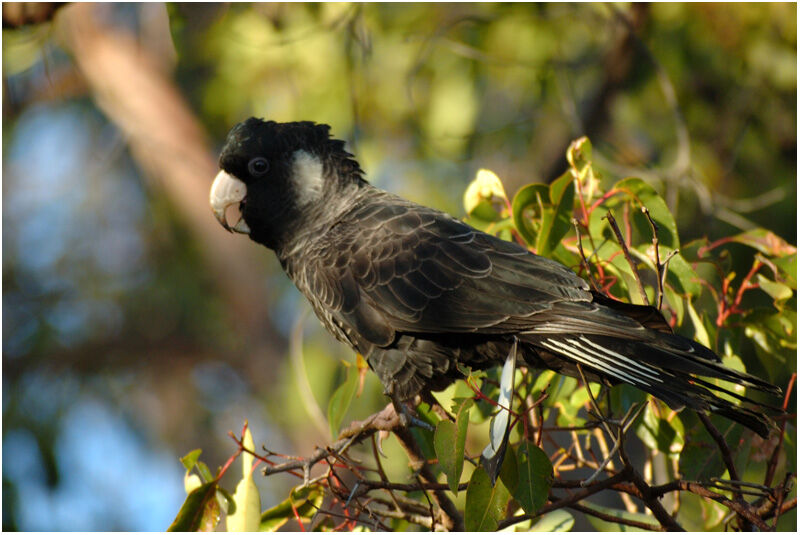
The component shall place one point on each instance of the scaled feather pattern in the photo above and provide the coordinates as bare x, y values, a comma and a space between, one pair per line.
418, 292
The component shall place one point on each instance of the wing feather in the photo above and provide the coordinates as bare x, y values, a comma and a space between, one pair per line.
394, 266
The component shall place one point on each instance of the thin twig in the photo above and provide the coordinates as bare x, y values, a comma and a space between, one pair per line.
583, 257
743, 509
649, 499
615, 519
452, 519
376, 455
593, 401
727, 457
569, 500
773, 461
661, 269
626, 252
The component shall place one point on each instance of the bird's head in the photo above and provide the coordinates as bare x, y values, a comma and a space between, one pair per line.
282, 175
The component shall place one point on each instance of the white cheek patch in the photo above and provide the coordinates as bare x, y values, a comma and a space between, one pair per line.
307, 177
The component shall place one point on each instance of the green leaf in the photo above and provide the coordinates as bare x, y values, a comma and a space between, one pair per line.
509, 472
247, 516
772, 331
645, 195
680, 274
557, 221
624, 396
485, 505
700, 332
659, 434
530, 197
448, 442
787, 267
424, 437
554, 521
224, 497
535, 477
675, 302
478, 197
205, 473
200, 511
765, 241
615, 264
605, 525
776, 290
579, 153
306, 502
597, 227
190, 459
700, 458
340, 401
525, 525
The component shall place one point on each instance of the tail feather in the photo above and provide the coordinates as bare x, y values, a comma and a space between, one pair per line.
668, 367
679, 354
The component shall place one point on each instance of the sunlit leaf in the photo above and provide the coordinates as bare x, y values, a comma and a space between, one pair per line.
529, 200
340, 401
485, 505
765, 241
787, 266
558, 221
247, 516
424, 437
659, 434
535, 477
675, 303
776, 290
773, 331
644, 195
579, 153
700, 332
190, 459
225, 498
478, 197
509, 472
205, 473
555, 521
200, 510
680, 274
305, 501
448, 440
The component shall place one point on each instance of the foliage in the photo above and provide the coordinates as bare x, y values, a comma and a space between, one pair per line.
127, 329
557, 430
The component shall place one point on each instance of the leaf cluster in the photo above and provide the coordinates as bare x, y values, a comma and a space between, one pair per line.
565, 434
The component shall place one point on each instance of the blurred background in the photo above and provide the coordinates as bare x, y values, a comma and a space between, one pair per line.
136, 329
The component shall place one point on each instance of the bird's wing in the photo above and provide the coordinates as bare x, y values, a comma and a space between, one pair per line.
393, 266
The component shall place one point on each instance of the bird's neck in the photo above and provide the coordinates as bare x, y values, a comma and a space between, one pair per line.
308, 230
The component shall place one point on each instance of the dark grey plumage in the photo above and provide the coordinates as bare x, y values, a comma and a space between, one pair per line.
416, 291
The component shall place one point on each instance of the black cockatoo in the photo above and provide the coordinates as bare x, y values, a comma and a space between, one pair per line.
416, 291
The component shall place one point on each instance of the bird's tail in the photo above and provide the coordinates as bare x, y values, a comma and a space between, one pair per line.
670, 367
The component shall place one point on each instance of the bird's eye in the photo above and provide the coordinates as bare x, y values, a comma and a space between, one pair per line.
258, 166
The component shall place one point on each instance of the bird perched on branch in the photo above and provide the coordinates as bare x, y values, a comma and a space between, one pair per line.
417, 292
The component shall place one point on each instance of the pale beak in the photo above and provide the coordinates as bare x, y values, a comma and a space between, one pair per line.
226, 191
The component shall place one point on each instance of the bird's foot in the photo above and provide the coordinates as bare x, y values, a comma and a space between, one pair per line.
407, 419
404, 412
